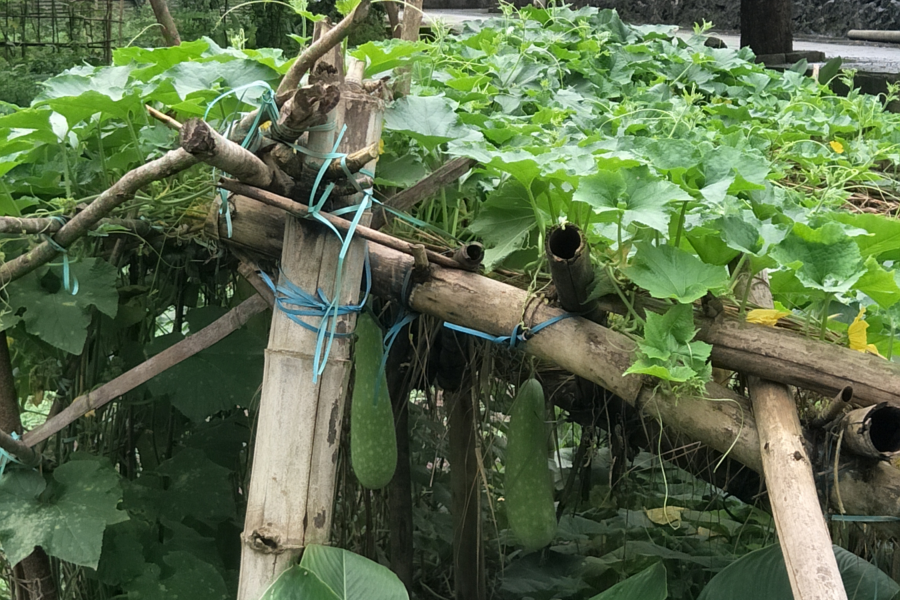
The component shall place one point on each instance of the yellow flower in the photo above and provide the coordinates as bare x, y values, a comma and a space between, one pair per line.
857, 332
836, 146
765, 316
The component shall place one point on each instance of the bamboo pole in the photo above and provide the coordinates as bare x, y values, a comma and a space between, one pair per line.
772, 352
291, 488
802, 531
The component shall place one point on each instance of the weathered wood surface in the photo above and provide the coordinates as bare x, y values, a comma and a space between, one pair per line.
775, 353
292, 483
802, 531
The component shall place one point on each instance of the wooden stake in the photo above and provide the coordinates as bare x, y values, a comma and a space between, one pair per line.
291, 488
802, 531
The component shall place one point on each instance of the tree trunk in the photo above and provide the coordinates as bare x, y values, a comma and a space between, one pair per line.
33, 577
766, 26
400, 488
167, 23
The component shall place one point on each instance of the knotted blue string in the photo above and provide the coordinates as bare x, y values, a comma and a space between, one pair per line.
519, 335
6, 457
296, 303
268, 110
70, 282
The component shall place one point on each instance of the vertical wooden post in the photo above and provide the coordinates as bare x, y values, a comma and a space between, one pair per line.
298, 433
802, 532
766, 26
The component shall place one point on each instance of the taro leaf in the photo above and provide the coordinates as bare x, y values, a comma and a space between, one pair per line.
503, 223
668, 272
190, 579
55, 315
824, 259
65, 515
197, 487
430, 120
762, 574
351, 576
221, 377
298, 583
385, 55
544, 575
878, 284
649, 584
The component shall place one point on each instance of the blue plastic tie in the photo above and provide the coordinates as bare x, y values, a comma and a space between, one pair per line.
6, 457
70, 282
864, 518
268, 110
519, 335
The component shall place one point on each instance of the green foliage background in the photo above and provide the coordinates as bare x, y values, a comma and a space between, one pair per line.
675, 158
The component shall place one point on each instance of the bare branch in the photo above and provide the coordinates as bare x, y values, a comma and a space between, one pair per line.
123, 190
325, 43
168, 358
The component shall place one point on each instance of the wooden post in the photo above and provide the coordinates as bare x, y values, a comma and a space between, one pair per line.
766, 26
298, 433
802, 532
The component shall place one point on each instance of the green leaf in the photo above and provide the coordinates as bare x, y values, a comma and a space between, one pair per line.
65, 515
298, 583
649, 584
503, 223
55, 315
879, 284
221, 377
668, 272
197, 487
430, 120
883, 239
825, 259
667, 351
829, 70
382, 56
762, 574
190, 579
351, 576
635, 194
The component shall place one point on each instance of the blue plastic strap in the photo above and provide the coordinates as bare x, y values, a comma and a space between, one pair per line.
6, 457
519, 335
402, 321
268, 110
864, 518
70, 282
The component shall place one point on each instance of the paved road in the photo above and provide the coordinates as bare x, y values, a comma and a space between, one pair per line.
866, 57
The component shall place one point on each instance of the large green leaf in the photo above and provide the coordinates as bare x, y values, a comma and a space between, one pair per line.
351, 576
65, 514
57, 316
221, 377
298, 583
185, 577
825, 259
431, 120
503, 223
649, 584
762, 574
668, 272
196, 487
